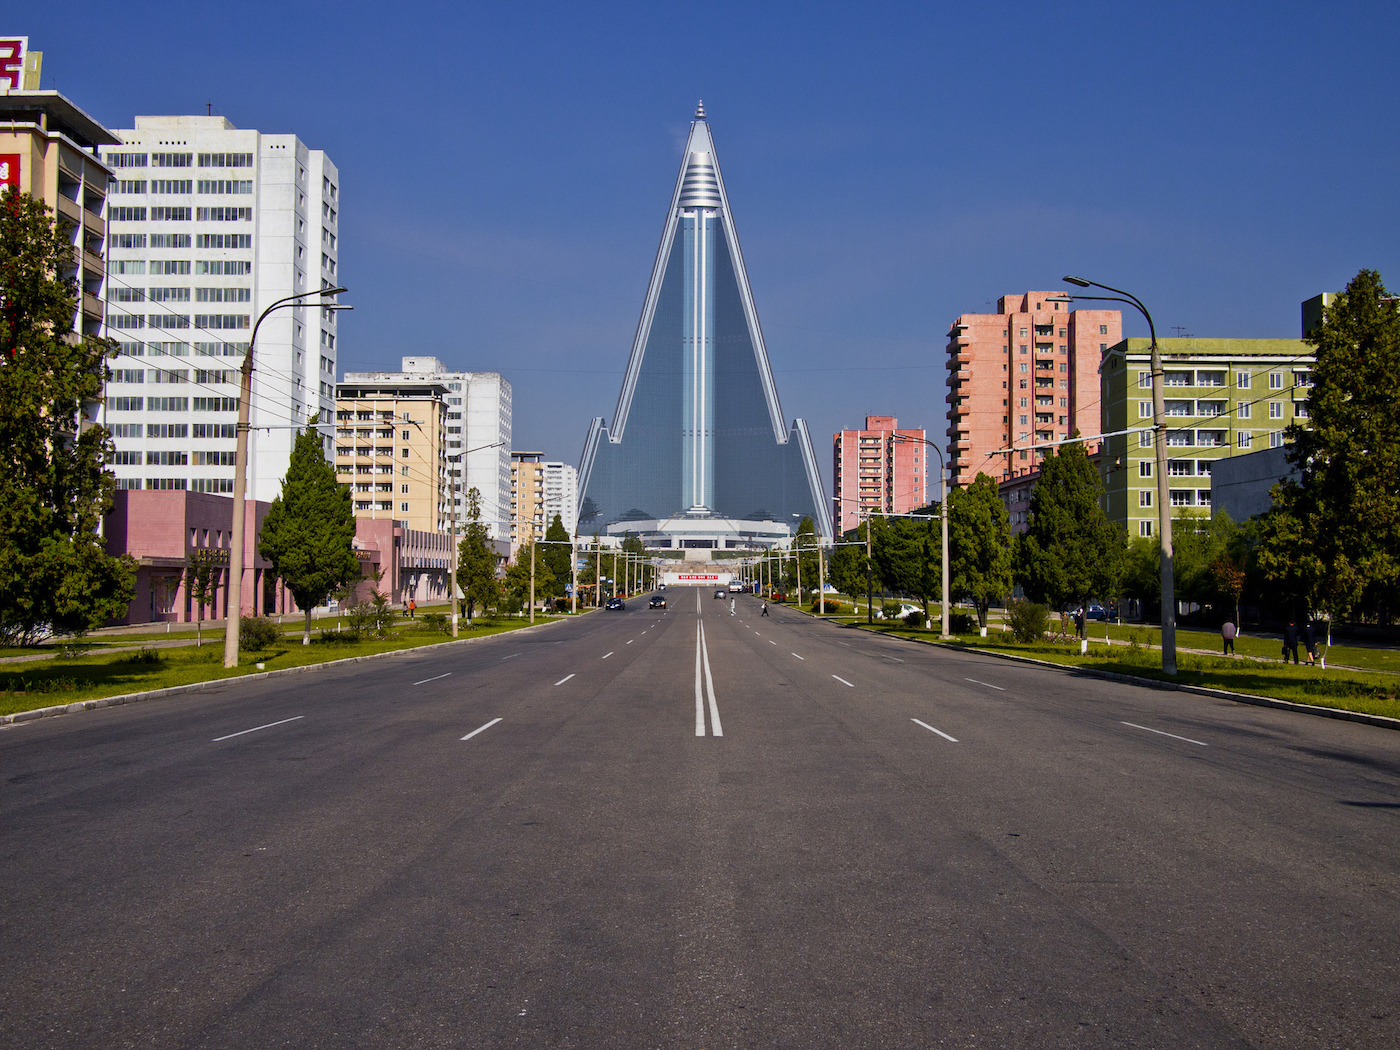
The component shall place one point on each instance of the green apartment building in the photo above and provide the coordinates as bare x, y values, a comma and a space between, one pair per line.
1223, 397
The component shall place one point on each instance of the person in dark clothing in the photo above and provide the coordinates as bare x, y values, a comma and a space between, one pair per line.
1227, 635
1290, 641
1310, 641
765, 609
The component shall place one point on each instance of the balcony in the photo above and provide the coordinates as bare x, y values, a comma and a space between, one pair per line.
70, 210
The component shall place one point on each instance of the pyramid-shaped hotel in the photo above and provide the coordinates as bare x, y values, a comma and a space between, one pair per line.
697, 454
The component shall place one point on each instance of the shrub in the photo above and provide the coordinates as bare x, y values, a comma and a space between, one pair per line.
1028, 621
962, 623
890, 610
75, 647
256, 633
914, 619
434, 622
144, 655
832, 606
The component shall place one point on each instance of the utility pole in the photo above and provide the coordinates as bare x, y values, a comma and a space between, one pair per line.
532, 579
821, 580
573, 568
452, 580
869, 578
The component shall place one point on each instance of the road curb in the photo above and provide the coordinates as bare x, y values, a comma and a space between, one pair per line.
1380, 721
98, 704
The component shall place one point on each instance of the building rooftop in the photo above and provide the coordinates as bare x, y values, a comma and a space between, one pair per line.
54, 112
1191, 346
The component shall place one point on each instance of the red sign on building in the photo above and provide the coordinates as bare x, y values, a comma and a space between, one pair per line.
12, 52
9, 170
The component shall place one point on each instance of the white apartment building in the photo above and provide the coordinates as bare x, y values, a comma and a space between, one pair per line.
208, 225
478, 430
561, 495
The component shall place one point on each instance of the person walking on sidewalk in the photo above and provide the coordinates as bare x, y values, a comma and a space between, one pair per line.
1227, 634
1290, 641
1310, 641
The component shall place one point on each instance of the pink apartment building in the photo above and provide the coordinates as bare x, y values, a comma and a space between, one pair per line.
878, 470
160, 527
1024, 376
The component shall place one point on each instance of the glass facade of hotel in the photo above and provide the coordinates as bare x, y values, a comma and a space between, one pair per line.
698, 428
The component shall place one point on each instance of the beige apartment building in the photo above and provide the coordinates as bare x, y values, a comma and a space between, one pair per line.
527, 492
48, 149
390, 450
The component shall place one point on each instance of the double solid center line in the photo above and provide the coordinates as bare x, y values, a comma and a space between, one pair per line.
705, 688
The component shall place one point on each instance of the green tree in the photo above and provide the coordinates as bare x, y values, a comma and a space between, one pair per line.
309, 530
908, 555
1333, 536
55, 573
203, 566
476, 560
518, 577
805, 546
979, 541
1070, 552
847, 566
555, 554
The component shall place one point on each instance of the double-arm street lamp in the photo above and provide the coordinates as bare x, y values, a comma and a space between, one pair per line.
1159, 439
234, 591
943, 516
452, 501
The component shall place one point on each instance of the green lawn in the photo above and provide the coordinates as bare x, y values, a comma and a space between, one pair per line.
24, 687
1371, 693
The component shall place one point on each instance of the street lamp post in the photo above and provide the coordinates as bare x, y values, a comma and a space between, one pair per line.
233, 593
943, 516
452, 489
1159, 439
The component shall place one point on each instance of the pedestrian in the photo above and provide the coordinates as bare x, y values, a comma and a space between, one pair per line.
1227, 633
412, 608
765, 610
1290, 641
1310, 640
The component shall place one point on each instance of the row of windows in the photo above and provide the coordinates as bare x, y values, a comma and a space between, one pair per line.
173, 404
182, 295
210, 322
1243, 410
132, 349
216, 485
1213, 377
174, 430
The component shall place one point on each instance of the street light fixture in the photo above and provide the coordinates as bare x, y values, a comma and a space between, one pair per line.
452, 488
234, 591
1159, 436
943, 516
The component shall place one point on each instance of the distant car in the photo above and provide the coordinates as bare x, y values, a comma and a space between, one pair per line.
736, 587
662, 587
721, 593
615, 605
904, 610
657, 602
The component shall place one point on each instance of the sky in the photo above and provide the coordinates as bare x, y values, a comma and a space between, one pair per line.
506, 168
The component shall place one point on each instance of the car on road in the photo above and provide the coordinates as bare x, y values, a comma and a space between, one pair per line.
657, 602
904, 610
722, 593
615, 605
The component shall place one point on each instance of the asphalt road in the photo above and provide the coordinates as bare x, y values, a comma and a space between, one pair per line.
692, 829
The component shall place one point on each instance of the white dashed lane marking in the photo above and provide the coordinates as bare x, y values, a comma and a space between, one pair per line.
930, 728
482, 729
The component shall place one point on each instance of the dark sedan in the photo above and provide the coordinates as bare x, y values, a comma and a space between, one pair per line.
615, 605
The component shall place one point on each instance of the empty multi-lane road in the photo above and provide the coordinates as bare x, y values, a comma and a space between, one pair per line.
696, 829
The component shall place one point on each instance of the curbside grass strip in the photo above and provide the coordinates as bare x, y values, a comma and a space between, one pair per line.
1380, 721
79, 706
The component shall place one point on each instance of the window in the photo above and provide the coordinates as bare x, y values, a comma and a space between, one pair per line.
171, 160
170, 240
128, 240
1181, 408
1144, 497
1204, 467
1181, 468
1203, 497
214, 459
1103, 329
1276, 439
170, 295
403, 490
166, 459
174, 375
168, 404
1243, 410
1275, 409
1144, 379
1144, 468
1244, 380
1023, 421
125, 214
126, 266
128, 295
225, 160
125, 458
223, 295
215, 430
1144, 439
1303, 379
125, 160
405, 453
224, 214
216, 404
1025, 366
1275, 380
1210, 438
227, 267
1145, 528
224, 240
166, 267
171, 185
403, 507
1183, 497
125, 430
170, 214
1103, 348
159, 484
131, 186
1210, 378
218, 321
225, 186
1300, 410
212, 484
1244, 439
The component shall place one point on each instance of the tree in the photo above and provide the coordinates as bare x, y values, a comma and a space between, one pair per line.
556, 554
979, 535
203, 567
476, 560
55, 573
1333, 536
518, 577
309, 530
1070, 552
847, 567
805, 544
908, 555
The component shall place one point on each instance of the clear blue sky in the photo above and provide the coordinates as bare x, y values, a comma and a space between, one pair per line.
506, 167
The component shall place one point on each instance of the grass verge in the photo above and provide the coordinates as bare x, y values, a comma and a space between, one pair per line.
92, 677
1368, 693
